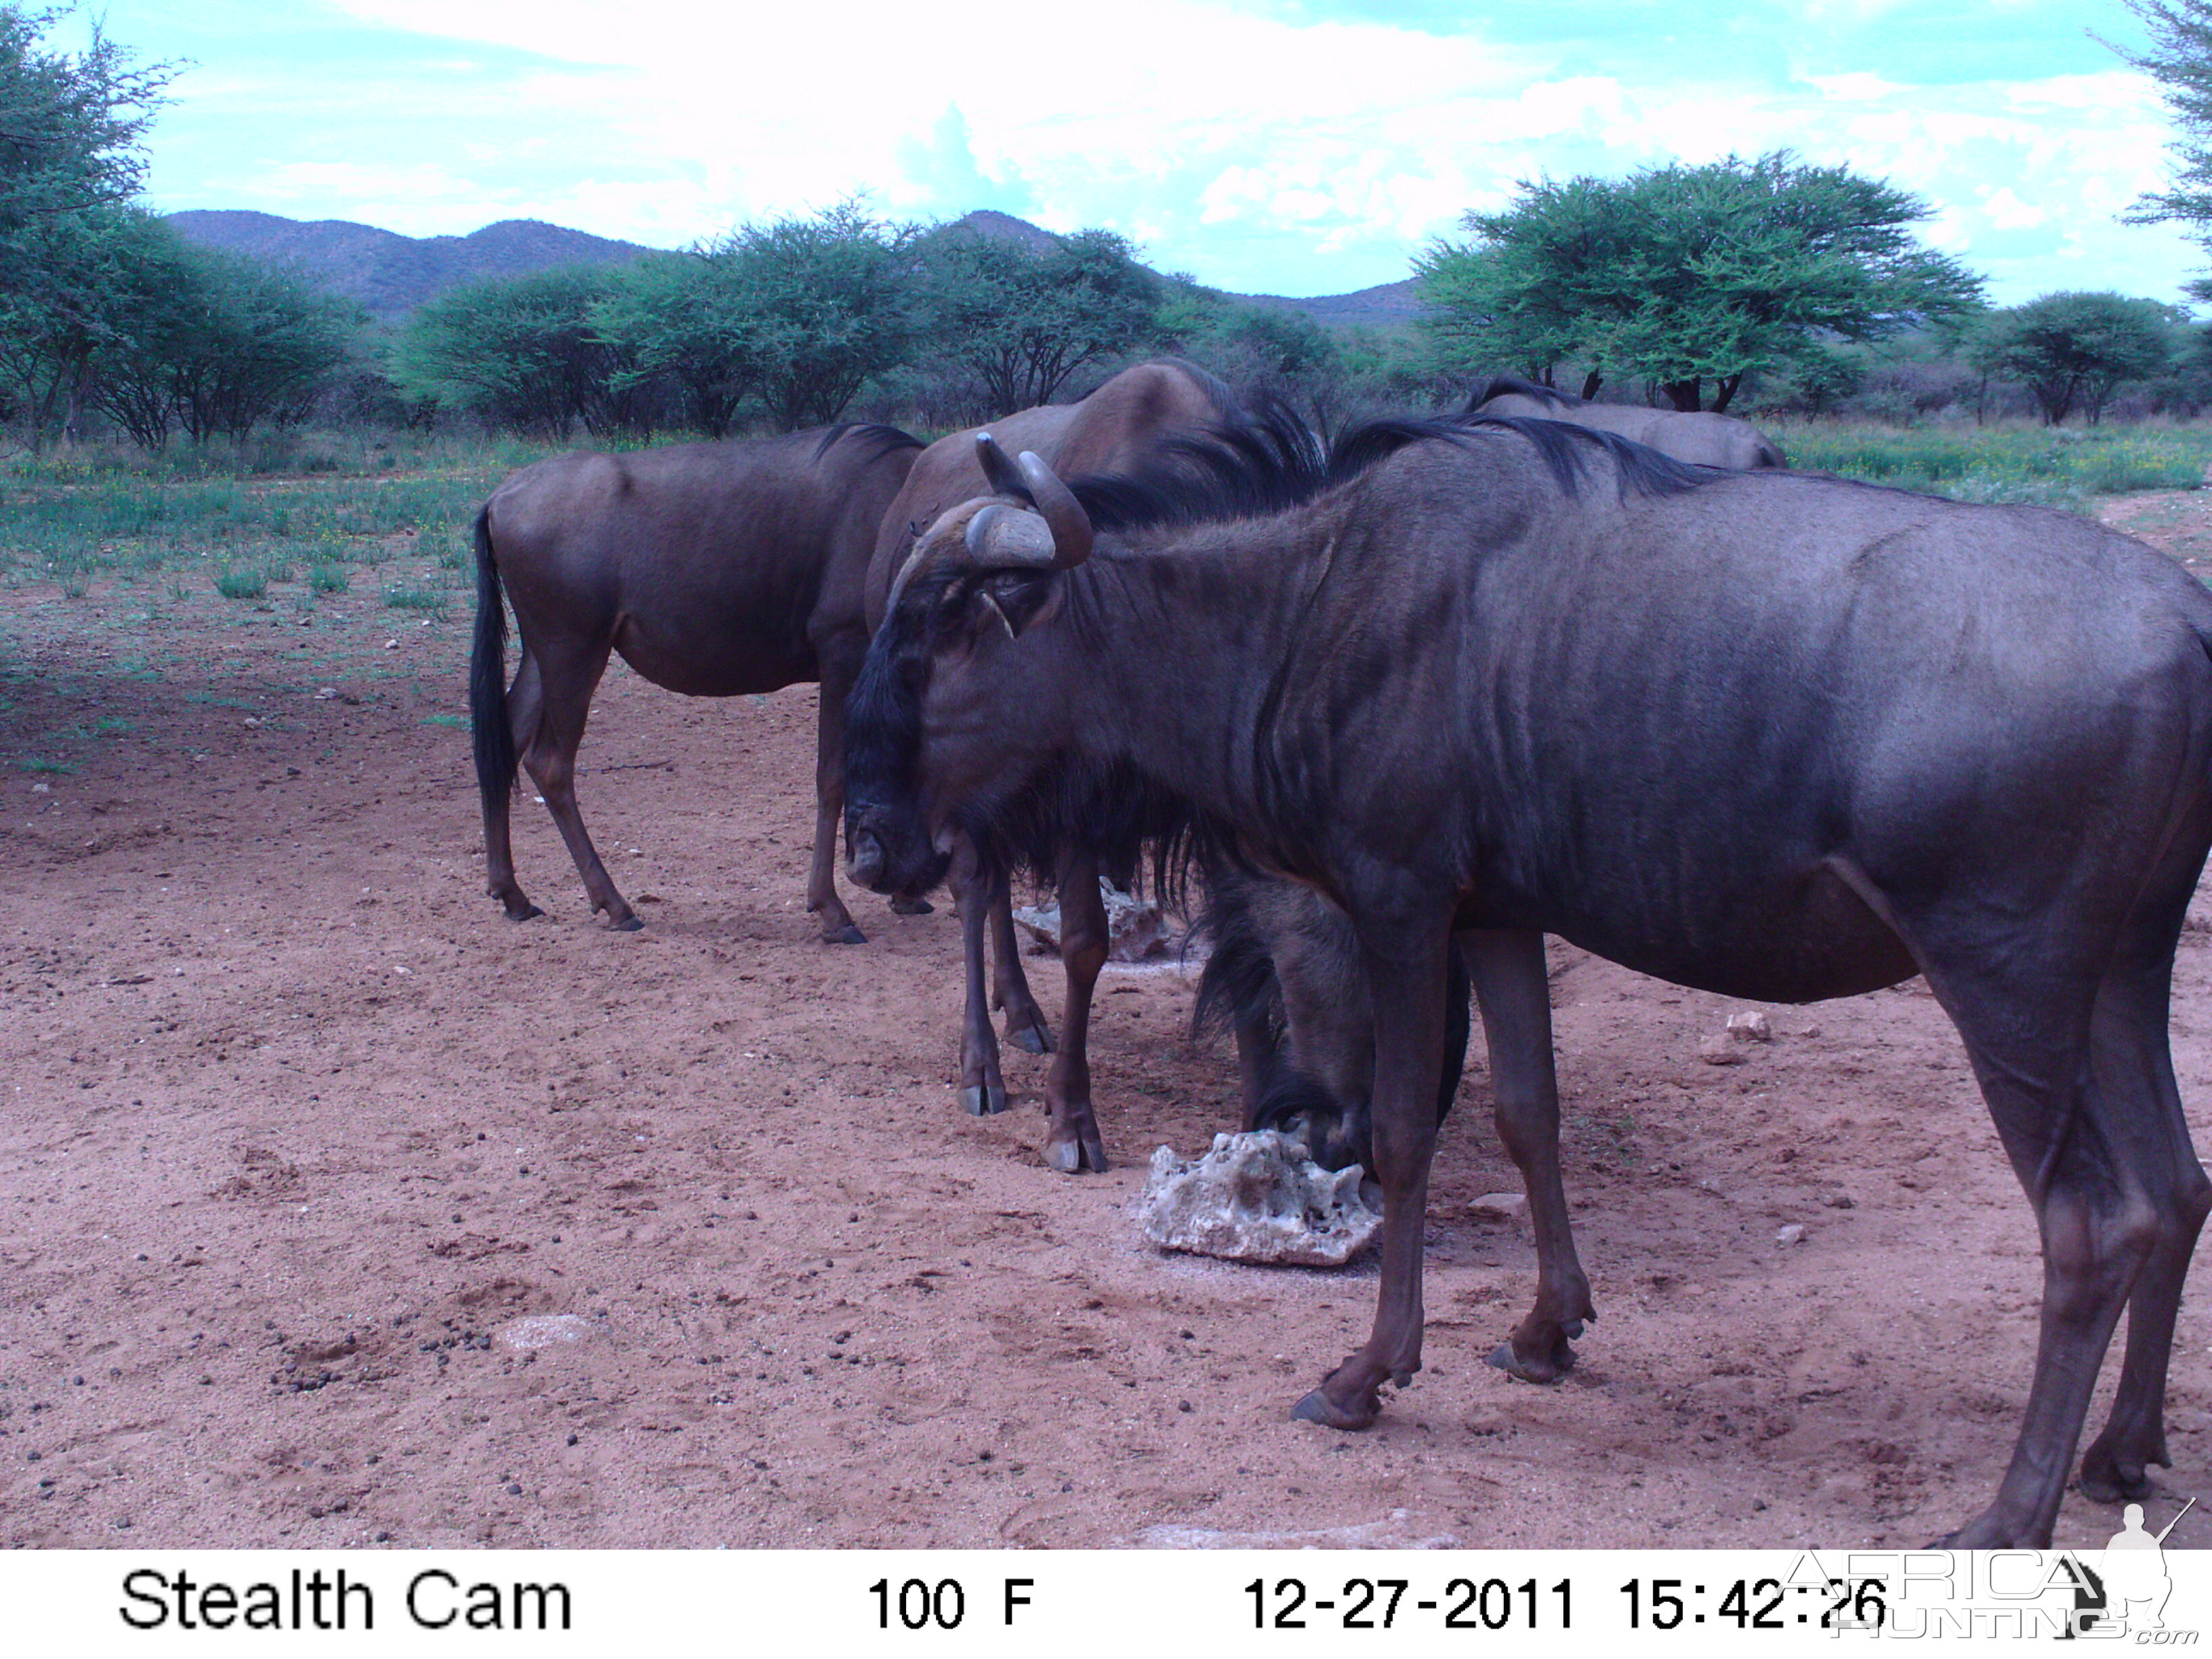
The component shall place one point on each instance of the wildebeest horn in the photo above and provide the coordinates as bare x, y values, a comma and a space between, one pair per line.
1070, 523
998, 471
1034, 480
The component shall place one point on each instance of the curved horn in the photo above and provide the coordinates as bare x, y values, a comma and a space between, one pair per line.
998, 471
1007, 536
1063, 513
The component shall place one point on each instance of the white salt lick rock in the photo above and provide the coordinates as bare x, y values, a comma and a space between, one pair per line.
1257, 1197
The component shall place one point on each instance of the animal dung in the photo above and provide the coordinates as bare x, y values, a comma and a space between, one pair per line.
1257, 1197
1135, 929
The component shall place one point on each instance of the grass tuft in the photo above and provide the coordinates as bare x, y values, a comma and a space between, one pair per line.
234, 583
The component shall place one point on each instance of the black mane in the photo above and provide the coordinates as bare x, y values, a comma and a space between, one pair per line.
1512, 385
1270, 461
883, 439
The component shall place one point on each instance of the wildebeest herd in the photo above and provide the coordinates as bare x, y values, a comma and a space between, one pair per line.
1396, 706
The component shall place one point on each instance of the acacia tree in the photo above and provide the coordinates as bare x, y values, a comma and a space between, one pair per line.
70, 162
1683, 276
527, 353
2073, 349
1024, 321
688, 322
2179, 57
824, 306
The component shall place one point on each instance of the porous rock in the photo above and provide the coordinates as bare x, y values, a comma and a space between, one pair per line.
1135, 929
1257, 1197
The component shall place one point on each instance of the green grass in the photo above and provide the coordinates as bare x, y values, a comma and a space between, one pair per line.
328, 578
250, 584
457, 722
2065, 466
430, 599
40, 764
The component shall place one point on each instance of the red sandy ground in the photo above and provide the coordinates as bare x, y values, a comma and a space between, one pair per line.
295, 1127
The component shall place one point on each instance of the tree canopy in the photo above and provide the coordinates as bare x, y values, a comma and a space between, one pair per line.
1682, 276
2077, 349
1024, 321
2179, 57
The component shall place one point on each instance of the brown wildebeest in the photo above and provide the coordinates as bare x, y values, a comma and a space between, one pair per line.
1110, 431
1774, 736
1702, 438
714, 569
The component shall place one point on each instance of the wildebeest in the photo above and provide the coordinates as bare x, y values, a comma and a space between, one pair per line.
1701, 438
1776, 736
1283, 977
1108, 432
714, 569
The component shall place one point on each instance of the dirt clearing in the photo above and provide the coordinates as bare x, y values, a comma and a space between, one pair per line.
337, 1210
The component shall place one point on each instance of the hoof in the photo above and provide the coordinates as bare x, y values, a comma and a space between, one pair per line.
1547, 1369
1072, 1156
902, 905
1033, 1038
848, 934
2108, 1479
985, 1102
524, 912
1318, 1407
627, 925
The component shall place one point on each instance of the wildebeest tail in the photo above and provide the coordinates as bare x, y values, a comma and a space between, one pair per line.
495, 739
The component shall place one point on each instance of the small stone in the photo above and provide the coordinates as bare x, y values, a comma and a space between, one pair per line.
326, 694
1792, 1234
1257, 1197
1500, 1206
1751, 1026
1720, 1050
1840, 1201
515, 1489
391, 645
42, 789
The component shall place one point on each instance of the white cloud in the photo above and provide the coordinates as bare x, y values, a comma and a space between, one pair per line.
1258, 153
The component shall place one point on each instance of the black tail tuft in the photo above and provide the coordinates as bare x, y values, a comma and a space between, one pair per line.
495, 739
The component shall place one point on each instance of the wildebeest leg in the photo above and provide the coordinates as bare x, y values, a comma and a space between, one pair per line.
1407, 985
1515, 993
1258, 1056
975, 890
1074, 1142
567, 680
520, 712
840, 667
2133, 1064
1010, 986
2025, 1012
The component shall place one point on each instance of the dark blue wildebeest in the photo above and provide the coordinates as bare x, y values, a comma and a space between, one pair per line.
1778, 737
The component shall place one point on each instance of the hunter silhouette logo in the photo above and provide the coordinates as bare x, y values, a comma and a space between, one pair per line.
2135, 1582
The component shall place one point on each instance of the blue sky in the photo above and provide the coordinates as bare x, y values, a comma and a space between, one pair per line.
1274, 146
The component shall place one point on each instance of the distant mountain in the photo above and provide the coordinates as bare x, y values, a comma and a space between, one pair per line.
1388, 306
388, 274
